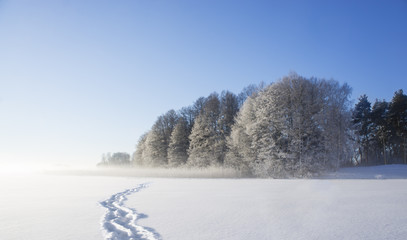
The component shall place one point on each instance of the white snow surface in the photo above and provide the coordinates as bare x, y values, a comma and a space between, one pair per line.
120, 222
88, 207
42, 207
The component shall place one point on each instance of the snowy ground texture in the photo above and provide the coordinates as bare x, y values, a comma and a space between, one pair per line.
120, 222
356, 203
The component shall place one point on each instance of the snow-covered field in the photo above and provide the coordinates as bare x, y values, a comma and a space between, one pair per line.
357, 203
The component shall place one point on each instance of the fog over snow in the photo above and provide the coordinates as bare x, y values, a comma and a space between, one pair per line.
86, 207
169, 120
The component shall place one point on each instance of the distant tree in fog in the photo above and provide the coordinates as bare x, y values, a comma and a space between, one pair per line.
117, 159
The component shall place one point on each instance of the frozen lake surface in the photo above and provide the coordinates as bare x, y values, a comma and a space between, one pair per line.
90, 207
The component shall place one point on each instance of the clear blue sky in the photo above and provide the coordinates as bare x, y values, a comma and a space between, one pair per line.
80, 78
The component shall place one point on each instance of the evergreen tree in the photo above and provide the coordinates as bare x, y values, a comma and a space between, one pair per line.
380, 130
362, 121
398, 121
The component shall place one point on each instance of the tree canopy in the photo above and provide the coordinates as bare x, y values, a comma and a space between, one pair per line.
296, 126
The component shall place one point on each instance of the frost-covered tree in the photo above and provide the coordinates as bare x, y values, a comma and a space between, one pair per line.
303, 131
256, 135
280, 132
179, 144
138, 154
155, 152
240, 154
229, 106
205, 141
198, 106
190, 113
249, 91
336, 123
158, 139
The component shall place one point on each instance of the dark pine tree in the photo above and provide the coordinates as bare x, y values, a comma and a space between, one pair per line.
361, 121
398, 122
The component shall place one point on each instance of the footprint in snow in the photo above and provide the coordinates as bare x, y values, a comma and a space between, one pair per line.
120, 222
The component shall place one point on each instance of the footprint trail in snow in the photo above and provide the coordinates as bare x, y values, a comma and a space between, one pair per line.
120, 222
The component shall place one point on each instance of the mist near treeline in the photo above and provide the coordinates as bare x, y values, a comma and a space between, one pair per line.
295, 127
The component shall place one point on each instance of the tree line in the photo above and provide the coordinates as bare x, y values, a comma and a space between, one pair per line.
115, 159
296, 126
381, 130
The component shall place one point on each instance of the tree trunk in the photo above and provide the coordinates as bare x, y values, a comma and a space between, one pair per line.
367, 152
360, 153
404, 151
384, 153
